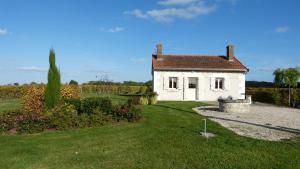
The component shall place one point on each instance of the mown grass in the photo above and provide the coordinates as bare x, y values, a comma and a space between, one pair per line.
9, 104
167, 137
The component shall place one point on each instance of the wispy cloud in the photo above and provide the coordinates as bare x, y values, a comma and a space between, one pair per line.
113, 29
175, 2
175, 9
138, 60
267, 69
282, 29
32, 69
3, 32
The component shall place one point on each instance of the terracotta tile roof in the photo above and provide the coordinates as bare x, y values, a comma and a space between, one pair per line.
197, 62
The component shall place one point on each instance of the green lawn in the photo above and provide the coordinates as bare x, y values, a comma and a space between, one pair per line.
168, 137
9, 104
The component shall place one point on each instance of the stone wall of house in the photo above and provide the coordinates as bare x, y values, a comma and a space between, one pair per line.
234, 85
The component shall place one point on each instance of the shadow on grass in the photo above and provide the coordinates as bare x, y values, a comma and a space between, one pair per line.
174, 108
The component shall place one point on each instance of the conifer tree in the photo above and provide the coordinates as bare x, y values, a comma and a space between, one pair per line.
52, 91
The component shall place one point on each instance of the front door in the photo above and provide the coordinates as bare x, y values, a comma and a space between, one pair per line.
192, 88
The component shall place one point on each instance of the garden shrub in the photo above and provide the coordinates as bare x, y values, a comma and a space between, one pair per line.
33, 99
97, 118
9, 120
64, 116
103, 103
134, 114
143, 100
152, 98
120, 112
74, 102
83, 120
278, 96
33, 123
70, 92
23, 122
124, 112
135, 100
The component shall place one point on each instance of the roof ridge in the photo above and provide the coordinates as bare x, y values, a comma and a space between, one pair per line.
193, 55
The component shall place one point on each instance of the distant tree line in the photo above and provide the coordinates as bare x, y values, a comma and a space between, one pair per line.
263, 84
129, 83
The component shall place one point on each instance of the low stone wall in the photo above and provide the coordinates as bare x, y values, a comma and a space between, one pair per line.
234, 106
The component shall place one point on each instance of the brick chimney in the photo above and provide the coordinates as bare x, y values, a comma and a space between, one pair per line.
230, 52
159, 49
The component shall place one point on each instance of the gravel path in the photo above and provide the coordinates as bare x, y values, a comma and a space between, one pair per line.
264, 121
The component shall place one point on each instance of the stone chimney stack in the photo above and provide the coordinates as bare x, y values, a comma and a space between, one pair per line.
159, 49
230, 52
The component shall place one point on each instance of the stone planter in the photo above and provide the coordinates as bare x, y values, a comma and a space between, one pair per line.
234, 106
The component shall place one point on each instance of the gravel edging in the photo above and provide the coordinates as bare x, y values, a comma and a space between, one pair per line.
264, 122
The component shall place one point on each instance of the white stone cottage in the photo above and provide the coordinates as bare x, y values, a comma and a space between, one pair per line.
198, 78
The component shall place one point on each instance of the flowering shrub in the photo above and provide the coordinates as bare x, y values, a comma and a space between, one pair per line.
120, 111
70, 92
23, 122
32, 123
63, 116
134, 114
33, 99
131, 114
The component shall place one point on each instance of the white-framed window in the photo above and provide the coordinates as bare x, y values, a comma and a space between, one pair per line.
192, 83
219, 83
173, 82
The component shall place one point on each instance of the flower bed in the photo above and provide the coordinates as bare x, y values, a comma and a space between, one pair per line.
69, 114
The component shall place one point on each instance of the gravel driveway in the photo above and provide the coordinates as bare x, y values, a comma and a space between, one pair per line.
264, 121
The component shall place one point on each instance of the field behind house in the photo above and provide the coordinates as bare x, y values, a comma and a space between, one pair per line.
167, 137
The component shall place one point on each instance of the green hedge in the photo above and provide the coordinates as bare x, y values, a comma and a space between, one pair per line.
278, 96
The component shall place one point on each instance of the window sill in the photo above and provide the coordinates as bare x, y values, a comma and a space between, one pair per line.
173, 90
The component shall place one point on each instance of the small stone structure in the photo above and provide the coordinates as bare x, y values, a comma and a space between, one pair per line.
235, 106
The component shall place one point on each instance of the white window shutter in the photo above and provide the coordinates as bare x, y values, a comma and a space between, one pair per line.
227, 83
166, 82
212, 83
179, 83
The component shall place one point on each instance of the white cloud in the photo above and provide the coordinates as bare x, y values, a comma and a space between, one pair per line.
3, 32
116, 29
32, 69
175, 2
267, 69
137, 13
282, 29
138, 60
112, 30
188, 9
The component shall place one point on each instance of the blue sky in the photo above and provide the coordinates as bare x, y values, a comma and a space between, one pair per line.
116, 38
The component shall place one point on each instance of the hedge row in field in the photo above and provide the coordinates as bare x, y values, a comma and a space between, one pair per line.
278, 96
9, 92
114, 89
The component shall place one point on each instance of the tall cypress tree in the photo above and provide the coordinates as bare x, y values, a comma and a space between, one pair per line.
52, 92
